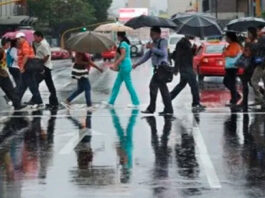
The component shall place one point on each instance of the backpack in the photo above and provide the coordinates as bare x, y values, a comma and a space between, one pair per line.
9, 58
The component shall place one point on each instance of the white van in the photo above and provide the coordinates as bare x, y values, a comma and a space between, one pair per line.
173, 40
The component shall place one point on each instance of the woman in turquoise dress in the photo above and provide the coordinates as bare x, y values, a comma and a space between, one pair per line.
124, 67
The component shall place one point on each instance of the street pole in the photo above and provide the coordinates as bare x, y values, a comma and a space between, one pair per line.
216, 9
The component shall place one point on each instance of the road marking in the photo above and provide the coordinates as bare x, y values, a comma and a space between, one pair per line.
207, 164
74, 141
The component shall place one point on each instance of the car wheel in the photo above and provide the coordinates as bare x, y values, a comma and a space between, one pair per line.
134, 50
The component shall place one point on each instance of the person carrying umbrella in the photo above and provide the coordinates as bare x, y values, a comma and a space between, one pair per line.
124, 65
231, 54
183, 57
159, 54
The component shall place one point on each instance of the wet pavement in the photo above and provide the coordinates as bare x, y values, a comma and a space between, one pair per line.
121, 153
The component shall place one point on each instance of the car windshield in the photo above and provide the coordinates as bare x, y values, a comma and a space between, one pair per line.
214, 49
174, 40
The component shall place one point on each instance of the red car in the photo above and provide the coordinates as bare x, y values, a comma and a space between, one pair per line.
59, 53
209, 60
110, 54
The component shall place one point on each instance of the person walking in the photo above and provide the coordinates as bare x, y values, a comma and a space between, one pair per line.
231, 54
80, 72
12, 61
28, 77
158, 52
6, 84
248, 53
183, 58
259, 72
43, 52
124, 67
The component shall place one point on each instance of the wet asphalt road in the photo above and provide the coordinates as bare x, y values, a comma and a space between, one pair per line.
120, 153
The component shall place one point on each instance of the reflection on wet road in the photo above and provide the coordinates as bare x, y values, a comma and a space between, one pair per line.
120, 152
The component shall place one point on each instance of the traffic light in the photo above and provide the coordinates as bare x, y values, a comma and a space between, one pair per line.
84, 29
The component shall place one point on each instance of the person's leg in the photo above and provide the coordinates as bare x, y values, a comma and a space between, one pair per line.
77, 92
130, 87
153, 94
194, 88
233, 90
15, 72
22, 86
166, 97
50, 84
87, 88
9, 90
34, 88
256, 77
116, 89
182, 83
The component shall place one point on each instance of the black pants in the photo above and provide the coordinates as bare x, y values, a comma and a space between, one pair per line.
15, 72
188, 77
28, 80
246, 80
47, 77
230, 83
7, 87
155, 84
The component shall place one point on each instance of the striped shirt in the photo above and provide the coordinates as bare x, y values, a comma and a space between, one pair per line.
79, 71
25, 50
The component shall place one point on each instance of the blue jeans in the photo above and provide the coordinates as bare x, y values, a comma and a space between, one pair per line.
124, 75
83, 85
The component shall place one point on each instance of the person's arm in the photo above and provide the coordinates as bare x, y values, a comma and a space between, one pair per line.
162, 50
231, 51
146, 56
120, 59
92, 64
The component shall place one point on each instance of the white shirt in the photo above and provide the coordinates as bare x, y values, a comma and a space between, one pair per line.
13, 53
42, 50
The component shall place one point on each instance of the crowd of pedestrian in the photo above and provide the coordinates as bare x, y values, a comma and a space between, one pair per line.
28, 65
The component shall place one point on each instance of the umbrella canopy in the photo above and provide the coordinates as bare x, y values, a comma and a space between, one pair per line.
150, 21
113, 27
197, 24
90, 42
28, 33
242, 24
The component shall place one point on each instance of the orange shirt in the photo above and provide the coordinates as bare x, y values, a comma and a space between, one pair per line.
25, 50
232, 50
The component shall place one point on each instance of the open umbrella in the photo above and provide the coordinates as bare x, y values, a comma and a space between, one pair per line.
197, 24
113, 27
242, 24
28, 33
90, 42
150, 21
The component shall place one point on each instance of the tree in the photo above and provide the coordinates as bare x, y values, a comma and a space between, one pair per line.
60, 15
101, 7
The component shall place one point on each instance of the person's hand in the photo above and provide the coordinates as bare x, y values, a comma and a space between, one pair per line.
134, 66
149, 45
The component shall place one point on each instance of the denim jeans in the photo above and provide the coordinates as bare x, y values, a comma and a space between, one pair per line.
83, 85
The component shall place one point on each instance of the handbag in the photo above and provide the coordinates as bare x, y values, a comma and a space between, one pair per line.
34, 65
231, 61
242, 62
164, 72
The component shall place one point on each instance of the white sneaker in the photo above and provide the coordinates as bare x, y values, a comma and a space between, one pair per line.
64, 104
132, 106
37, 106
107, 105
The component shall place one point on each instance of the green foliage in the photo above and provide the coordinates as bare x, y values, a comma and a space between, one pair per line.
60, 15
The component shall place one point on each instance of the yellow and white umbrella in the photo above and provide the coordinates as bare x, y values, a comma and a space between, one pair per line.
113, 27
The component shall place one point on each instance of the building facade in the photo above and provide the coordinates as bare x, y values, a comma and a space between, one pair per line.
139, 3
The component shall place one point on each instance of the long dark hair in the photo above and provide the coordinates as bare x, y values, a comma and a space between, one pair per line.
232, 36
13, 43
124, 39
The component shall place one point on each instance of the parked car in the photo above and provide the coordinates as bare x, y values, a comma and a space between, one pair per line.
59, 53
110, 54
137, 47
173, 41
209, 60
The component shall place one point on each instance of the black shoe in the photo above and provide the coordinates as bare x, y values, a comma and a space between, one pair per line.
29, 103
147, 112
198, 108
20, 107
49, 106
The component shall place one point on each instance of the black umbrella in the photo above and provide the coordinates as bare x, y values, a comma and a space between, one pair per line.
242, 24
197, 24
150, 21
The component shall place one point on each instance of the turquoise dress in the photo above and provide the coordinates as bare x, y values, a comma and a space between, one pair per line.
124, 75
